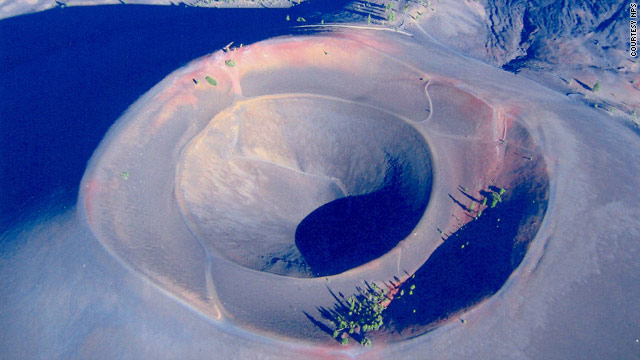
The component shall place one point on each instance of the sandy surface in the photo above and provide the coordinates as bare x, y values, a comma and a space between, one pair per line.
571, 296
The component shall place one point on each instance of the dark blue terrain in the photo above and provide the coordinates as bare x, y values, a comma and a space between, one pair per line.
67, 74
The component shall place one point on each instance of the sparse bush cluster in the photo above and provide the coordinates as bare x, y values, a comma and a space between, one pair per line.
363, 313
495, 196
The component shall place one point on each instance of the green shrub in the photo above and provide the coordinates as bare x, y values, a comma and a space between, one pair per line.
211, 80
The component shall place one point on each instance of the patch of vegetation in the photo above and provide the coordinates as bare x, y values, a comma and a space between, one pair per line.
596, 86
361, 313
392, 16
230, 63
495, 198
211, 80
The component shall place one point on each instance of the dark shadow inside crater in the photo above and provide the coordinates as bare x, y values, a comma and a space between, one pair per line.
472, 264
318, 187
348, 232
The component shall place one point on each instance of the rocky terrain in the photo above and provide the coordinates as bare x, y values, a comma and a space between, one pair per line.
566, 45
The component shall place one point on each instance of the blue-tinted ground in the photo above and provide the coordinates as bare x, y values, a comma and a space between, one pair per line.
67, 74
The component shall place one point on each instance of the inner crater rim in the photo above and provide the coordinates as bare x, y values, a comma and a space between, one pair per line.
303, 185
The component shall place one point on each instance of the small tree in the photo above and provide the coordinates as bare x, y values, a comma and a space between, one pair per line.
392, 16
